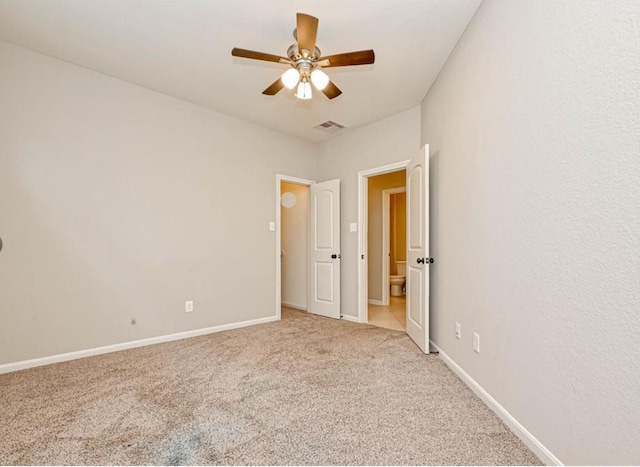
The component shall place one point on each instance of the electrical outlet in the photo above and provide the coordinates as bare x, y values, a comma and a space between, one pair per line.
188, 306
476, 342
458, 331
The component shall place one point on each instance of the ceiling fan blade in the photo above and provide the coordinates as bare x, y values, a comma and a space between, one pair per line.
362, 57
306, 31
331, 90
274, 88
258, 55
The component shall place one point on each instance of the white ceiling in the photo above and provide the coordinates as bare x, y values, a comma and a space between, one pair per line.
183, 48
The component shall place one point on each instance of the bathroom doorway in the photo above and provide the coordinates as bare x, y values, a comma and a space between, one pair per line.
386, 245
418, 261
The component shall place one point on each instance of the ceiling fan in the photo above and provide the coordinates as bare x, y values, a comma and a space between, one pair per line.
306, 61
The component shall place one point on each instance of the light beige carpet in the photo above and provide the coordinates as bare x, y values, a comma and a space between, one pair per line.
304, 390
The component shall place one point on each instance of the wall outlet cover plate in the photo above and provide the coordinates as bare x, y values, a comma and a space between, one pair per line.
476, 342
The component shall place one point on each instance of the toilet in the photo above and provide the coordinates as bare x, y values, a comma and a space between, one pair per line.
397, 281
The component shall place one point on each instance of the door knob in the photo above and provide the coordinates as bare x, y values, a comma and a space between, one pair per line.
420, 260
334, 256
431, 260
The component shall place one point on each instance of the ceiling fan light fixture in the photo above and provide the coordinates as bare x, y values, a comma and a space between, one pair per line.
305, 61
304, 90
290, 78
319, 79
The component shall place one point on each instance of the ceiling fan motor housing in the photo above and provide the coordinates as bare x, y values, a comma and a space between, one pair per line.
303, 61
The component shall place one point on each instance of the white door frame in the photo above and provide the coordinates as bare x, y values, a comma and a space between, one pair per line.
386, 237
363, 293
298, 181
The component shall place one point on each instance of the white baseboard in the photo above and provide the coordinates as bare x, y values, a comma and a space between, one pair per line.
376, 302
353, 319
521, 432
9, 367
295, 307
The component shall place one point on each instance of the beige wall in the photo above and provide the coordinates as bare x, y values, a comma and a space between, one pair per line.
120, 203
294, 225
398, 229
534, 132
393, 139
376, 185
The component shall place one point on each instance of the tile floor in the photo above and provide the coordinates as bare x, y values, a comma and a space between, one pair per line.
391, 317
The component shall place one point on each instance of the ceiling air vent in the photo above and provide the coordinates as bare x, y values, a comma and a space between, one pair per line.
330, 127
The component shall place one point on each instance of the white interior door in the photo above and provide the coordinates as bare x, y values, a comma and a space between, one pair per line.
324, 249
418, 249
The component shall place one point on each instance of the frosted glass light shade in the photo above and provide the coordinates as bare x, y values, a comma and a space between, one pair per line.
304, 90
288, 200
319, 79
290, 78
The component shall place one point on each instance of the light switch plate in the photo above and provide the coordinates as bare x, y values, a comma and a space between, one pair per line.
353, 227
272, 226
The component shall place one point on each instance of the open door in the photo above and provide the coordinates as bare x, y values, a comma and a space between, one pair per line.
418, 259
324, 249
